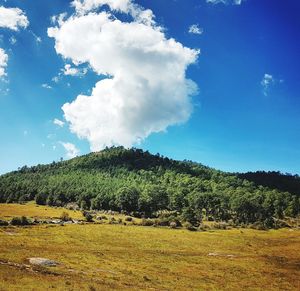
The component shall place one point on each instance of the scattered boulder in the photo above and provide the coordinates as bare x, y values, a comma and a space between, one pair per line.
42, 262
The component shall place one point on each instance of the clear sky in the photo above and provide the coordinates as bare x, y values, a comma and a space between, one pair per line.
214, 81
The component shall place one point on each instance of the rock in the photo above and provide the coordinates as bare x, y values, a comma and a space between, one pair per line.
43, 262
56, 221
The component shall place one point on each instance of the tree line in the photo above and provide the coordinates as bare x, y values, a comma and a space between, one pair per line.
134, 181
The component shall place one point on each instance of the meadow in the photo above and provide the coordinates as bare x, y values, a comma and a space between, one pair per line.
129, 257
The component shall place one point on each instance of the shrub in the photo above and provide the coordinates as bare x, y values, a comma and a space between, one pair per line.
162, 222
178, 223
112, 220
88, 216
203, 227
173, 224
19, 221
120, 220
41, 199
128, 218
220, 225
65, 216
147, 222
136, 214
281, 224
3, 223
258, 225
190, 227
104, 217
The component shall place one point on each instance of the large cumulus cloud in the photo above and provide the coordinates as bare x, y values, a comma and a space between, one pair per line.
12, 18
145, 89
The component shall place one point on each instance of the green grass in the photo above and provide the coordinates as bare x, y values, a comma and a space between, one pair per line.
107, 257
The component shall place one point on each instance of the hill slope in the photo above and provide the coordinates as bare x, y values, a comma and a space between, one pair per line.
133, 180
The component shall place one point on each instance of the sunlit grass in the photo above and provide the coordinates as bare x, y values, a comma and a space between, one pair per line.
7, 211
109, 257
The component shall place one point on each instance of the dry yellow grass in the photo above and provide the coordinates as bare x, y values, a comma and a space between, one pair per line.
106, 257
7, 211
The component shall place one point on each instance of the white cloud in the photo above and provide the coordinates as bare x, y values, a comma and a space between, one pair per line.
83, 6
46, 86
3, 62
13, 18
139, 14
38, 39
226, 2
56, 79
58, 122
195, 29
267, 81
51, 136
146, 89
12, 40
71, 71
70, 148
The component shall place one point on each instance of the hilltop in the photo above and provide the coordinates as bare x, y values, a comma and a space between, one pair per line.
135, 181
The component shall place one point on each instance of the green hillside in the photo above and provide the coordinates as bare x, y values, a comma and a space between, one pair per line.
136, 181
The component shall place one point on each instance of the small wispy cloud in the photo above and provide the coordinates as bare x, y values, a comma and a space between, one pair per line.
71, 150
12, 40
195, 29
58, 122
37, 38
3, 62
266, 82
46, 86
226, 2
56, 79
51, 136
68, 70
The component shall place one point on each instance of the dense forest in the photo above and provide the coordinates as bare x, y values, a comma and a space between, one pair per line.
137, 182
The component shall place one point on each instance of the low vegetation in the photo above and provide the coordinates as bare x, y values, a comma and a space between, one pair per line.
117, 251
106, 257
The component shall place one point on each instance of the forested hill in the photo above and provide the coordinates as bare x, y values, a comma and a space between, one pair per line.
274, 180
136, 181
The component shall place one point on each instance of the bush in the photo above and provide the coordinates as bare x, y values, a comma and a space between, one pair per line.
162, 222
258, 225
220, 225
281, 224
88, 216
112, 220
41, 199
147, 222
128, 218
104, 217
20, 221
3, 223
178, 223
190, 227
65, 216
203, 227
173, 224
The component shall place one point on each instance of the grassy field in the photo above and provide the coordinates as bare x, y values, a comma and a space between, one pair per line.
106, 257
7, 211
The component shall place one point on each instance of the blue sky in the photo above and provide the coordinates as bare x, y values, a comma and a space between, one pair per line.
244, 116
